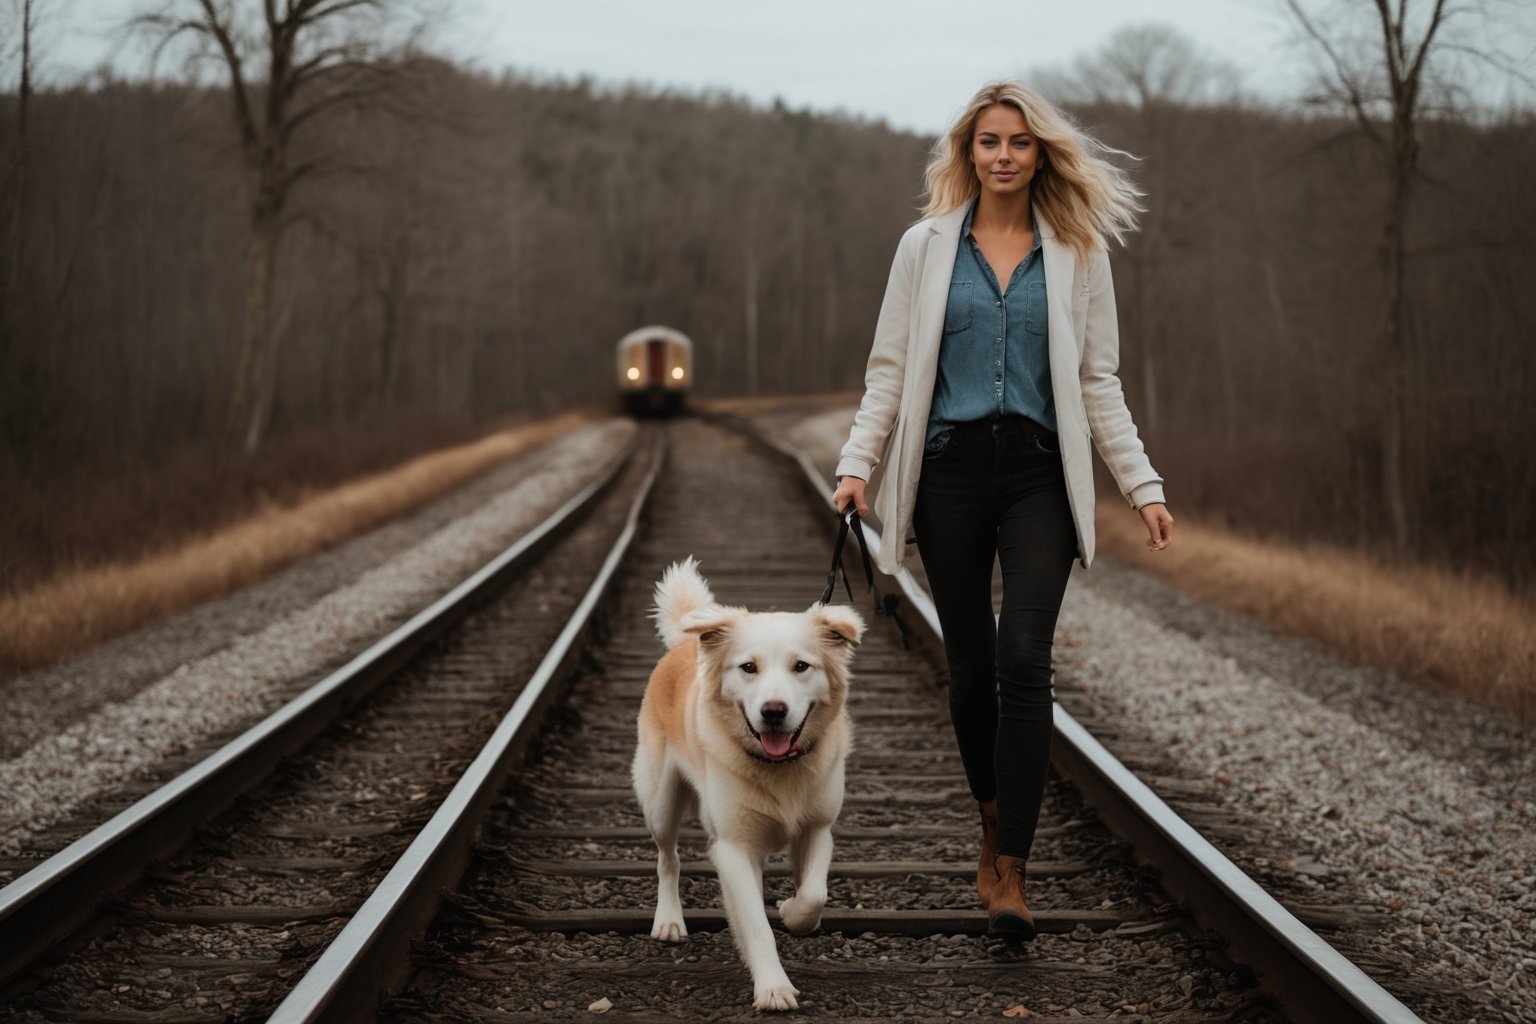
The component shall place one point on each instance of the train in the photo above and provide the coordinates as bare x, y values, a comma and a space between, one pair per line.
655, 366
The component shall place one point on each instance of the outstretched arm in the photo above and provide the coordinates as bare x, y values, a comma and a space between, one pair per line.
1109, 420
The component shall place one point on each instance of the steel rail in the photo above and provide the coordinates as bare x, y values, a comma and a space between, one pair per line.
1312, 980
368, 959
62, 893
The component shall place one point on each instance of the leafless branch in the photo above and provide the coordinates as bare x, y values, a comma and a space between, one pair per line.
215, 27
327, 166
1505, 66
318, 107
307, 12
1341, 72
1435, 20
325, 62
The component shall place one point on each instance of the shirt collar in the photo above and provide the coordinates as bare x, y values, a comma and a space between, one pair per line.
970, 214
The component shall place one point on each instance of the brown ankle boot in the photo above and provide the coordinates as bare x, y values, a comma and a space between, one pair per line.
1008, 915
986, 869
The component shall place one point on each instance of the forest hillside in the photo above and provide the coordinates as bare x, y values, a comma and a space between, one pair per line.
476, 255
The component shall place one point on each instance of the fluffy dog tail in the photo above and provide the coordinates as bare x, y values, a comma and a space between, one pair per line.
681, 590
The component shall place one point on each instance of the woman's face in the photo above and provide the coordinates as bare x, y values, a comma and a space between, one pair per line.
1004, 151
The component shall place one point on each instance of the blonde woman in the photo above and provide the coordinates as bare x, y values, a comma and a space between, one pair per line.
992, 370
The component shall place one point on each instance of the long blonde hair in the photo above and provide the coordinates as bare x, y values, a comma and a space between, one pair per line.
1083, 196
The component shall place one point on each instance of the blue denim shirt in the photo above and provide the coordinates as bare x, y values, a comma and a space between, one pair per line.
993, 360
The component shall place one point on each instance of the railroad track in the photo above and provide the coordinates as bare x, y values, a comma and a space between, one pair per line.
553, 912
220, 901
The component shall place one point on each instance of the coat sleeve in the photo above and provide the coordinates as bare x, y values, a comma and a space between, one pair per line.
1109, 420
886, 370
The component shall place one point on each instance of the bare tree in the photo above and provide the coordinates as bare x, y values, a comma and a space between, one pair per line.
1147, 66
311, 58
1376, 82
24, 92
16, 174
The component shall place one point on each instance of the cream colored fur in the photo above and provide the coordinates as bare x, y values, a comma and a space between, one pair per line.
697, 753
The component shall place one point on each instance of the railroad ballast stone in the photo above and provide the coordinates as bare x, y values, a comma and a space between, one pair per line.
1419, 807
79, 749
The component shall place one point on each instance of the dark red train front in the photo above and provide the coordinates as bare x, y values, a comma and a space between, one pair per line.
655, 366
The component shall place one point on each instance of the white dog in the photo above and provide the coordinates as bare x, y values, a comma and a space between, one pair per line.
743, 723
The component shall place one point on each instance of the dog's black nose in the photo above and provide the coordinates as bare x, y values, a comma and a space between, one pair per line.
774, 712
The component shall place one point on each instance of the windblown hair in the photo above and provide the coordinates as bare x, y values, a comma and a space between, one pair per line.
1084, 197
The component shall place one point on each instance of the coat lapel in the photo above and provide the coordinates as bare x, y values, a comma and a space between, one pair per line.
933, 292
1060, 268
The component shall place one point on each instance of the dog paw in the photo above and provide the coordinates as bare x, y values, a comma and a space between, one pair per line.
775, 997
800, 915
669, 930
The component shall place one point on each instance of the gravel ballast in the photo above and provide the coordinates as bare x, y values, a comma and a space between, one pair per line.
1355, 788
335, 606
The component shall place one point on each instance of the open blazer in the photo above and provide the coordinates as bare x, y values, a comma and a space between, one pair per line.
1084, 349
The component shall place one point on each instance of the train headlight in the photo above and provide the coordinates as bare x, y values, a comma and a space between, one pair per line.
677, 373
633, 373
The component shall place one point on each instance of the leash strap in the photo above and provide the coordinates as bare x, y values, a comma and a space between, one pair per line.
837, 558
849, 520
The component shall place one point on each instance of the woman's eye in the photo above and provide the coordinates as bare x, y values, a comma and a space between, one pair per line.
750, 668
801, 666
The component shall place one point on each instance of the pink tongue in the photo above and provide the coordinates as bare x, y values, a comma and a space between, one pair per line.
776, 744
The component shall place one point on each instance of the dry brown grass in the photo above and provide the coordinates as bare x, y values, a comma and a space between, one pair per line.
1456, 634
80, 608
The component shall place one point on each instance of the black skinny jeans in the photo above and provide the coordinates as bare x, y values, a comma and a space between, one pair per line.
994, 490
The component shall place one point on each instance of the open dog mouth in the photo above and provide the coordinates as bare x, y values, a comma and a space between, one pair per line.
778, 747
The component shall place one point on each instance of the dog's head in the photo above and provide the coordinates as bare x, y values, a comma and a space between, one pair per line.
780, 677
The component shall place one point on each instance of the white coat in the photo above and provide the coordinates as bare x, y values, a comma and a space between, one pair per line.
1084, 350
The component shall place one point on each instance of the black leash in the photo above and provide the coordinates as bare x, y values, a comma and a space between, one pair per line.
884, 605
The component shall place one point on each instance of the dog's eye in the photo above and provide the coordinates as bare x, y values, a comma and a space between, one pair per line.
749, 667
801, 666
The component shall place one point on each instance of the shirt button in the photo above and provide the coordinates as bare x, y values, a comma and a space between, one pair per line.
997, 303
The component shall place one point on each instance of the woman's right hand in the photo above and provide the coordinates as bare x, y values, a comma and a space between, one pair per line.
850, 489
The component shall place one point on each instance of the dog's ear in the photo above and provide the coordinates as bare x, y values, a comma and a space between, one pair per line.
711, 625
838, 624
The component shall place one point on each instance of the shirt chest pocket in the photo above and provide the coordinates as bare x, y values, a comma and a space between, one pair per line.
1036, 313
959, 314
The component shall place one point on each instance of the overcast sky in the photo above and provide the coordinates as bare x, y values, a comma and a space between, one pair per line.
900, 60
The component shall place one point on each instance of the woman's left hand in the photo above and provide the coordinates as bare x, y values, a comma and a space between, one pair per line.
1159, 525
